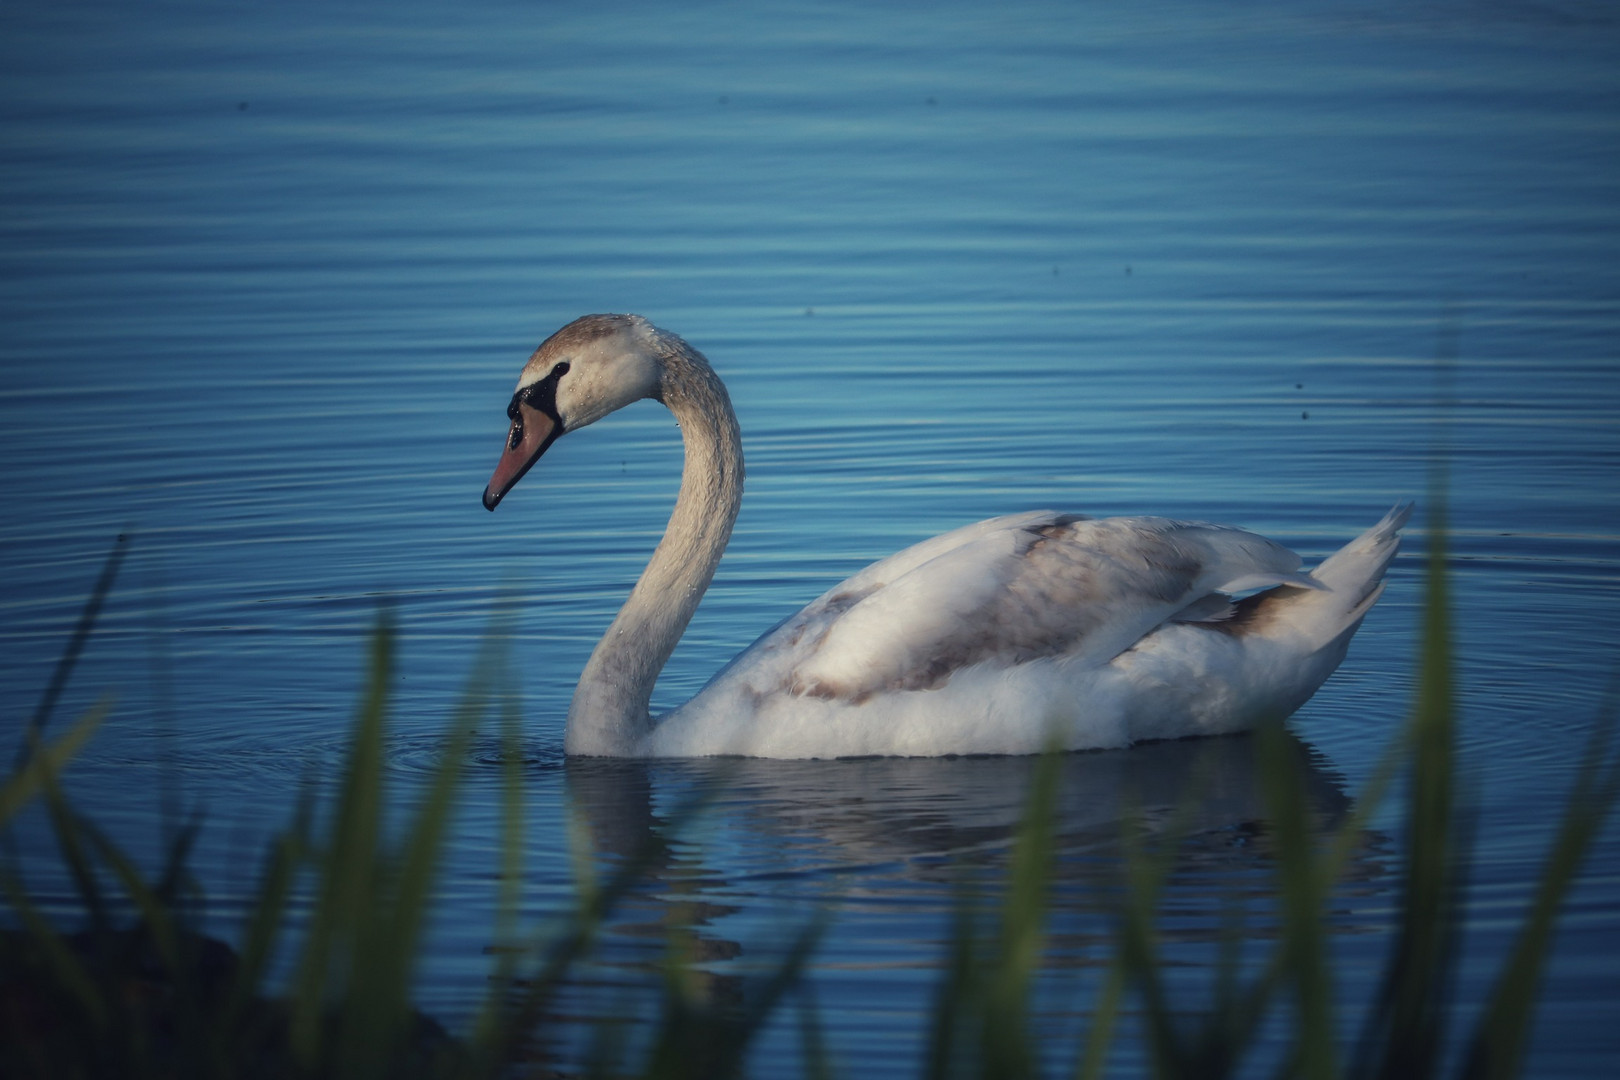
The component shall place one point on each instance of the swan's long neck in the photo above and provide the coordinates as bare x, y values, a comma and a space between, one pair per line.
611, 710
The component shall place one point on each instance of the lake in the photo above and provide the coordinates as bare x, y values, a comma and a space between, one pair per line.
268, 273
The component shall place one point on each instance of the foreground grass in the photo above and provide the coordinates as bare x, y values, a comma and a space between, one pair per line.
156, 998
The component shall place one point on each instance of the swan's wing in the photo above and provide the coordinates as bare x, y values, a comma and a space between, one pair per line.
1010, 590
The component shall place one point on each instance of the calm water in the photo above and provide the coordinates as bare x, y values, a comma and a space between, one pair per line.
266, 278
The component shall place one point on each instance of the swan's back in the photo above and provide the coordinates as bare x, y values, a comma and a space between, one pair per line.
1003, 635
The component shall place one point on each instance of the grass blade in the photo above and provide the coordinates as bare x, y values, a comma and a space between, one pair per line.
1007, 1040
75, 645
25, 784
1104, 1021
949, 1046
348, 866
1406, 1027
66, 973
1303, 891
1497, 1048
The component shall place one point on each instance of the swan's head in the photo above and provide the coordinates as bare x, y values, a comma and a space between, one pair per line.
578, 375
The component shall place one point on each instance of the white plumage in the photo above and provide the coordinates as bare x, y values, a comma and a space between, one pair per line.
1002, 637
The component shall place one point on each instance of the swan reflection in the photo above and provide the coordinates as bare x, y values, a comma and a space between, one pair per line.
899, 835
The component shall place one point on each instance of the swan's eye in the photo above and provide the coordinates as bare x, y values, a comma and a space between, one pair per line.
541, 397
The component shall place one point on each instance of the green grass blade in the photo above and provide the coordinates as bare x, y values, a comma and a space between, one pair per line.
67, 972
70, 839
1496, 1051
1302, 890
1007, 1040
75, 645
950, 1051
25, 784
1406, 1027
1104, 1021
1351, 829
347, 868
707, 1042
1136, 942
178, 956
425, 840
175, 886
788, 974
488, 1029
565, 946
262, 930
812, 1037
156, 916
511, 867
379, 996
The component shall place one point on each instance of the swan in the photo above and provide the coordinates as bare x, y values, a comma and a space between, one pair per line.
1000, 637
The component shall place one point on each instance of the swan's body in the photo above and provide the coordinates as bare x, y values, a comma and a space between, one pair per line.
996, 638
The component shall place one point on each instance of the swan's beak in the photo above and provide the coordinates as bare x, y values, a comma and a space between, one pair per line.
527, 439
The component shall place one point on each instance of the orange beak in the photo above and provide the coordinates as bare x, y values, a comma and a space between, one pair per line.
532, 431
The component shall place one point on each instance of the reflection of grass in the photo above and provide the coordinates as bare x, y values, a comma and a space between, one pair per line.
158, 999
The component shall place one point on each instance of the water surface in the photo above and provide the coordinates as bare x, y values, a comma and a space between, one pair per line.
267, 281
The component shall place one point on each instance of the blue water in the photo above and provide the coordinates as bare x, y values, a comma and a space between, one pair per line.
267, 276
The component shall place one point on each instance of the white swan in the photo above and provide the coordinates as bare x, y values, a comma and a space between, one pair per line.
997, 638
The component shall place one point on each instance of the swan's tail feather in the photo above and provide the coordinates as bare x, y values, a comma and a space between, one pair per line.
1352, 579
1357, 568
